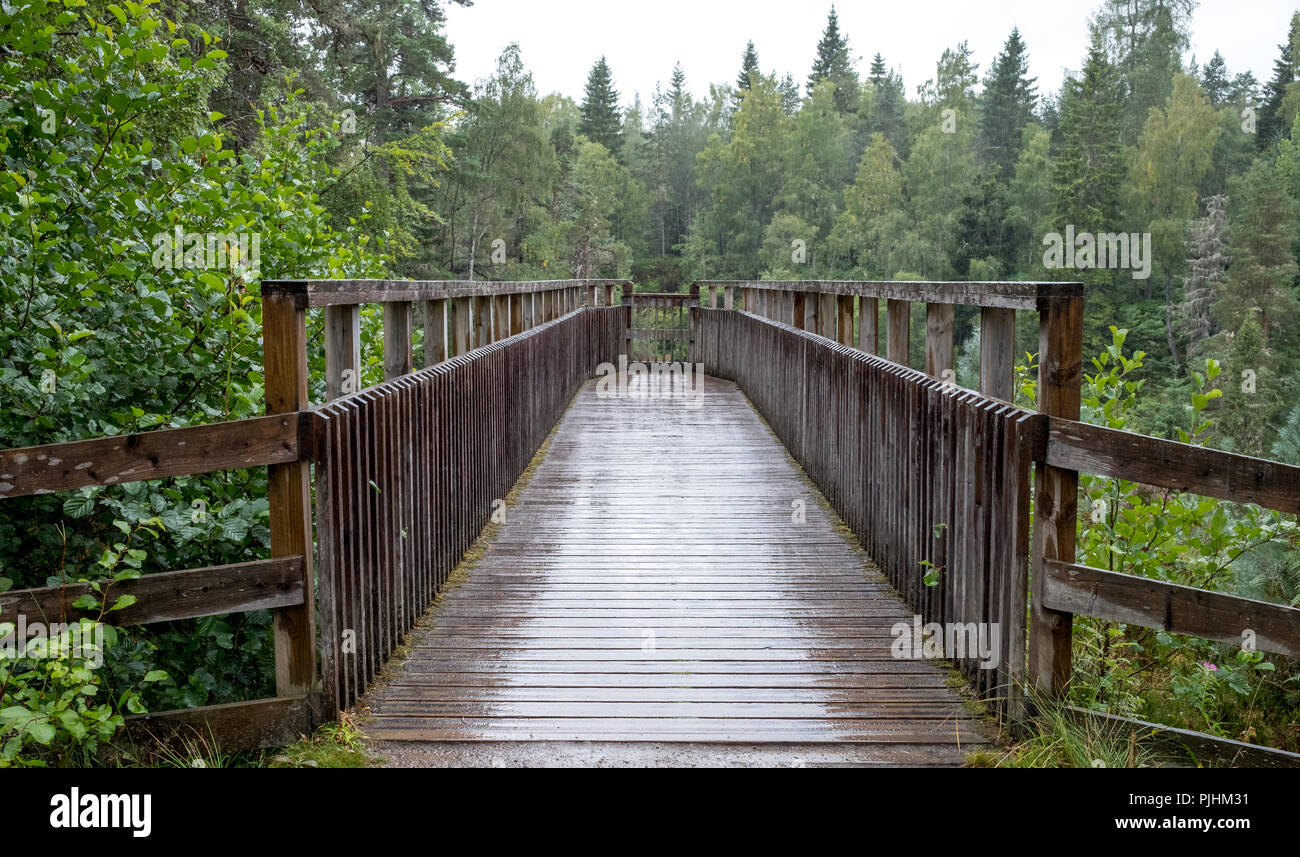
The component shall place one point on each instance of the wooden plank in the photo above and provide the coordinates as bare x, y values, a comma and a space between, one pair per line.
235, 726
1022, 295
868, 325
998, 353
1177, 466
318, 293
284, 350
269, 440
938, 342
1116, 597
436, 341
1185, 743
342, 351
398, 359
168, 596
898, 331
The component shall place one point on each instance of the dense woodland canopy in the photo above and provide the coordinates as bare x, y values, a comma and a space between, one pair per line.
338, 132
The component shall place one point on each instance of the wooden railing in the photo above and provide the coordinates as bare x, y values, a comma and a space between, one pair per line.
471, 328
659, 325
933, 477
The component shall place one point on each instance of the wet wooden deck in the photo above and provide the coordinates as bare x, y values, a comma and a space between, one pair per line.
650, 583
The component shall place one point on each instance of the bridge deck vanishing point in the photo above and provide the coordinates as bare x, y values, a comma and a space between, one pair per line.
650, 584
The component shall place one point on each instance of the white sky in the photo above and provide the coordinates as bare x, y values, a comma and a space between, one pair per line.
560, 39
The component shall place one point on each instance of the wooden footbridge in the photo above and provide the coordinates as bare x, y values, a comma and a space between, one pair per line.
735, 542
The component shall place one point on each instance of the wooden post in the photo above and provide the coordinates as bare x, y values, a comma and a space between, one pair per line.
530, 310
798, 310
460, 326
713, 296
998, 353
609, 294
898, 331
1056, 491
435, 331
869, 325
517, 312
342, 350
938, 342
284, 362
827, 314
500, 317
482, 320
729, 297
397, 339
844, 320
789, 302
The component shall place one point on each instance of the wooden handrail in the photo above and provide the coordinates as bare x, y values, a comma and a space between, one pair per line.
319, 293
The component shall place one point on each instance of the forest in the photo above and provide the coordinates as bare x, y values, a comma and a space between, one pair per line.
337, 135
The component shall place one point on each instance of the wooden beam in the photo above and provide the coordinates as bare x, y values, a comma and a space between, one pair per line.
1199, 746
317, 293
149, 455
998, 353
235, 726
995, 294
169, 596
284, 349
1173, 465
1056, 493
1170, 607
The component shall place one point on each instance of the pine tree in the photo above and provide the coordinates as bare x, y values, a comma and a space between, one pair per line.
601, 118
1009, 100
1089, 168
748, 67
887, 104
1214, 79
790, 100
1271, 124
833, 63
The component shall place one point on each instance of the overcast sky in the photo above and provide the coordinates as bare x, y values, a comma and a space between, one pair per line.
561, 39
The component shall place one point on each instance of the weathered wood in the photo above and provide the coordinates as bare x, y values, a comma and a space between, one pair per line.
938, 342
481, 309
1115, 597
149, 455
869, 325
168, 596
284, 350
1184, 743
844, 320
898, 331
1056, 492
342, 351
998, 353
1169, 464
234, 726
398, 359
992, 294
460, 327
436, 341
317, 293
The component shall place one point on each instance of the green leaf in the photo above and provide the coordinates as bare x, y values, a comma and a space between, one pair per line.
78, 505
155, 675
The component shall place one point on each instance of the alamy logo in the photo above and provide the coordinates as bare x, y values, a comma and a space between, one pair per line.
1085, 251
634, 379
91, 810
240, 252
915, 641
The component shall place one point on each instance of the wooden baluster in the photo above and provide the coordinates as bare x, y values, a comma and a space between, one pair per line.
998, 353
435, 331
397, 339
869, 325
898, 320
938, 341
517, 312
342, 351
844, 320
729, 298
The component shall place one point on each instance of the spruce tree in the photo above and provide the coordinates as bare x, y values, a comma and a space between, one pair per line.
601, 119
1090, 166
748, 66
887, 104
1271, 124
1214, 80
1009, 100
833, 63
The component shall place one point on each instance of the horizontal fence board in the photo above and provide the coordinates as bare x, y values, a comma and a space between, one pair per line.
982, 294
1073, 588
236, 726
170, 595
1206, 748
1168, 464
149, 455
318, 293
